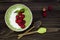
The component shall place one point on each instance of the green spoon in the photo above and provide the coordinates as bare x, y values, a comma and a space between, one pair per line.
41, 30
35, 25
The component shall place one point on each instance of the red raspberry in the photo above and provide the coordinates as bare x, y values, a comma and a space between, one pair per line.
22, 26
44, 14
21, 23
17, 16
18, 21
22, 16
44, 9
24, 21
50, 8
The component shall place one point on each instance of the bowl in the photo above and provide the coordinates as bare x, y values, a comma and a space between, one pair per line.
10, 17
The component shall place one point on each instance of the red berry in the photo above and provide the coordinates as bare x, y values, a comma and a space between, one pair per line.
44, 14
22, 26
18, 21
50, 8
22, 16
44, 9
24, 21
17, 16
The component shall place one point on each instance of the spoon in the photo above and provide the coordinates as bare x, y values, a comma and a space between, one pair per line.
43, 30
36, 24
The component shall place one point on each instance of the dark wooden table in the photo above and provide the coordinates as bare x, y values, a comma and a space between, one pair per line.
51, 21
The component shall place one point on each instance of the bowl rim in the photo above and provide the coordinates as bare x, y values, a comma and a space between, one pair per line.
19, 30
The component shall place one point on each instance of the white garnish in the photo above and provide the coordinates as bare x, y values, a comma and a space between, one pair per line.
12, 20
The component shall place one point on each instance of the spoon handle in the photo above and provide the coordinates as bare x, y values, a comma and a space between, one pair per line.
29, 33
39, 22
49, 30
19, 36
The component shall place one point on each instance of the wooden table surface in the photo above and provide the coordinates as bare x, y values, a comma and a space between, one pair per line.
51, 21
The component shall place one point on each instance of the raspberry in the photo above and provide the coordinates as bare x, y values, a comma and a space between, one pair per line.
17, 16
44, 14
22, 26
22, 16
44, 9
24, 21
18, 21
50, 8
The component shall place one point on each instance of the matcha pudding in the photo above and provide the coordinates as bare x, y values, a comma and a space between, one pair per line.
18, 17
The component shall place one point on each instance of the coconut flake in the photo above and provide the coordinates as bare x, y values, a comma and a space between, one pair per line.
12, 20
